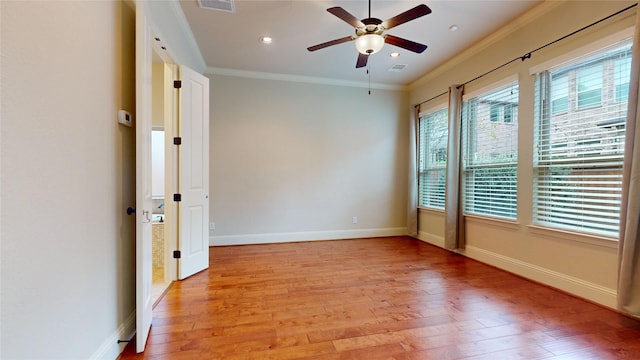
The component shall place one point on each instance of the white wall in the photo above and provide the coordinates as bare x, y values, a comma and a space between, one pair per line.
67, 177
584, 266
296, 161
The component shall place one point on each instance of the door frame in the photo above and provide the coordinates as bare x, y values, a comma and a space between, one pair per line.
170, 168
146, 44
170, 163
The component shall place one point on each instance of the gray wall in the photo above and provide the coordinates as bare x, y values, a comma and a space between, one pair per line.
296, 161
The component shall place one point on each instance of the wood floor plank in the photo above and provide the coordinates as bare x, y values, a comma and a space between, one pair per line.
382, 298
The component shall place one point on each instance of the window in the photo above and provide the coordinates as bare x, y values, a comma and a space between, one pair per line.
495, 113
490, 152
432, 158
560, 94
589, 86
622, 73
508, 113
501, 112
579, 152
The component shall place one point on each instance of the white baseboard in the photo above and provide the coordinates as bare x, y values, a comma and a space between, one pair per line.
572, 285
431, 239
110, 349
250, 239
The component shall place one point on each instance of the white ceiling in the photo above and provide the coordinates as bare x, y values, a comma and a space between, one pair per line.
229, 42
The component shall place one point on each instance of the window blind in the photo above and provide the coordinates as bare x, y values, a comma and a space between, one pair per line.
580, 144
490, 152
432, 158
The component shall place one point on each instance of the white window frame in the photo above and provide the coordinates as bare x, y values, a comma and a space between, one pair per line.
428, 196
471, 205
594, 167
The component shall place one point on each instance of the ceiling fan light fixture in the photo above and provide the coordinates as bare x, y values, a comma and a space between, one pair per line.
368, 44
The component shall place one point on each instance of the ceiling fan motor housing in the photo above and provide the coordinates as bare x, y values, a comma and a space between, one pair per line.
371, 26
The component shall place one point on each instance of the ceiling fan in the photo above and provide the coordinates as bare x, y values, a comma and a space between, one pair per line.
370, 37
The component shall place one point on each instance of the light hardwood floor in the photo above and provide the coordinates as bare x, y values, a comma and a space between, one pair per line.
383, 298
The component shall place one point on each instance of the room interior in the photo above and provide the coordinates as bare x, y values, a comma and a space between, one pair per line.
294, 156
327, 212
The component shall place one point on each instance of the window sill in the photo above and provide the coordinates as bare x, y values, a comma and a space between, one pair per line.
430, 210
574, 236
504, 223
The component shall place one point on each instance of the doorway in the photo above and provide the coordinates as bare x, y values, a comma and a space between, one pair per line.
186, 125
160, 283
162, 218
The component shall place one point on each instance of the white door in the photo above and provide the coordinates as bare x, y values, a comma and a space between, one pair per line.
193, 172
143, 178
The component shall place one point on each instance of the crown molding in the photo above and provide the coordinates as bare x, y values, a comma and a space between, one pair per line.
491, 39
301, 79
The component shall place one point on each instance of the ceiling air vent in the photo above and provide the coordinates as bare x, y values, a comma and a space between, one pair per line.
221, 5
397, 67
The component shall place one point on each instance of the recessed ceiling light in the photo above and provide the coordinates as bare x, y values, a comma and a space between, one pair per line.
394, 54
453, 27
266, 40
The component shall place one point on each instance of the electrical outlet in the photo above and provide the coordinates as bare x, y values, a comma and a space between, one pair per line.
212, 226
354, 219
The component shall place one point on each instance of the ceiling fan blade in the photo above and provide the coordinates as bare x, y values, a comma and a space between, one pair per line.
330, 43
346, 16
362, 60
416, 12
405, 44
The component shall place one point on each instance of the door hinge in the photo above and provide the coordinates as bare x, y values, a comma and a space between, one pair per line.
177, 84
176, 254
177, 197
177, 140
